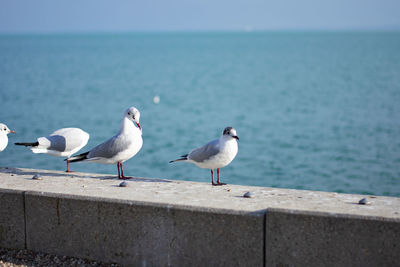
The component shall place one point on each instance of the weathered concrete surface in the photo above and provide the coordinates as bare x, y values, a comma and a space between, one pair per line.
139, 234
320, 239
12, 221
162, 222
193, 194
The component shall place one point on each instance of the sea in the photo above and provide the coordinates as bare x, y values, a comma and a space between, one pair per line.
313, 110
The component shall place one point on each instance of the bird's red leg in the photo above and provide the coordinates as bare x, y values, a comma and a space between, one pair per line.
212, 177
218, 182
122, 173
119, 175
67, 166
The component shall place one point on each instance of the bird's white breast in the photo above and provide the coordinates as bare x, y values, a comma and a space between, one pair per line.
228, 151
134, 135
131, 150
3, 141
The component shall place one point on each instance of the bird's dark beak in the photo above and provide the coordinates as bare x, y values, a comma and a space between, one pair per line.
236, 137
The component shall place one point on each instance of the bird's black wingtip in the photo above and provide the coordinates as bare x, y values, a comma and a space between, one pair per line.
183, 158
79, 157
27, 144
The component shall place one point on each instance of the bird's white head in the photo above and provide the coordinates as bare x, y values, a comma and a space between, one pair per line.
4, 129
230, 132
133, 114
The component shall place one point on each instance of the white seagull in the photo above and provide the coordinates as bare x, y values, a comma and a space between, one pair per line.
3, 136
216, 154
119, 148
62, 143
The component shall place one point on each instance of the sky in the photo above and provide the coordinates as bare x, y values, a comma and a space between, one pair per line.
49, 16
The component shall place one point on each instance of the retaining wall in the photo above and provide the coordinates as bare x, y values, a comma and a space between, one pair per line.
159, 222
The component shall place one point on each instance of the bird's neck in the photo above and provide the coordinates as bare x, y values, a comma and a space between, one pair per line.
227, 139
127, 126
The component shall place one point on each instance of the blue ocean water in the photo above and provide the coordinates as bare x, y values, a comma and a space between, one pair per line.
313, 110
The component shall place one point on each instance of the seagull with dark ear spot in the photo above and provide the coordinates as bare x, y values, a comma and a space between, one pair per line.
215, 154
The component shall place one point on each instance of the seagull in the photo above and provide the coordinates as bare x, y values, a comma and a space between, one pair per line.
3, 136
214, 155
62, 143
119, 148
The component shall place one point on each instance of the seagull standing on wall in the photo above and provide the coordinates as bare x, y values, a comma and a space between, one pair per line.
61, 143
215, 154
119, 148
3, 136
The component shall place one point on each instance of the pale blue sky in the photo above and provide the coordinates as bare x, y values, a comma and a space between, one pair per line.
186, 15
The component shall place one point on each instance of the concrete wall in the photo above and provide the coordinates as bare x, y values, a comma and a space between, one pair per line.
164, 233
318, 239
143, 235
12, 219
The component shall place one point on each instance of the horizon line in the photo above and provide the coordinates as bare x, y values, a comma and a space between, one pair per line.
288, 30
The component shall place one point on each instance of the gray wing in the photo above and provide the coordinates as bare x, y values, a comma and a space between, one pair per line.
57, 143
67, 139
205, 152
109, 148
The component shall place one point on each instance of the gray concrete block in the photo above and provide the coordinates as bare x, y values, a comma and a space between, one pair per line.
140, 234
12, 219
161, 222
325, 239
